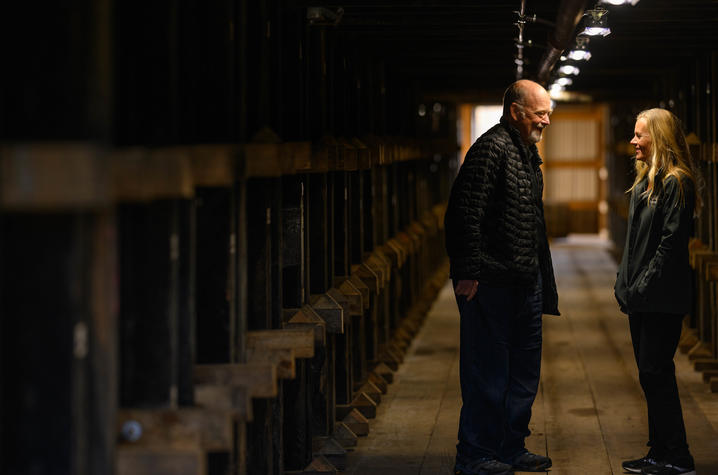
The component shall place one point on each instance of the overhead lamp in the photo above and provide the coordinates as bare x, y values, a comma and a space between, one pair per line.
620, 2
596, 22
564, 81
324, 16
568, 70
580, 52
555, 90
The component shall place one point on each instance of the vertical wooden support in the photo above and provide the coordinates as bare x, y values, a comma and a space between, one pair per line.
186, 299
214, 296
240, 234
341, 235
259, 244
293, 252
149, 247
70, 257
260, 252
318, 231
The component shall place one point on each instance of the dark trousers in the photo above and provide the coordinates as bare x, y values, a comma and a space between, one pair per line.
500, 361
655, 339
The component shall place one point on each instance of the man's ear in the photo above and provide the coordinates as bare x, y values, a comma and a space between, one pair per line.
516, 112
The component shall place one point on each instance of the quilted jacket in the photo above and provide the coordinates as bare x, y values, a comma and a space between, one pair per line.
495, 229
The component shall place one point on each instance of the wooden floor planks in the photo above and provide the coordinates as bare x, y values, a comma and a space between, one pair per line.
589, 414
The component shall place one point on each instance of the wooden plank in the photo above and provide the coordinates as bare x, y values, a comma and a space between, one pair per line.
301, 340
141, 461
53, 176
344, 435
103, 344
361, 287
233, 399
143, 175
332, 450
348, 157
259, 378
591, 406
364, 154
176, 428
320, 466
276, 159
307, 318
330, 310
368, 277
711, 271
283, 358
348, 297
265, 160
213, 165
695, 254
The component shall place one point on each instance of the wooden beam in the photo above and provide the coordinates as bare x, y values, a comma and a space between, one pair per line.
176, 428
233, 399
213, 165
141, 461
283, 358
53, 176
259, 378
307, 319
142, 175
330, 310
301, 340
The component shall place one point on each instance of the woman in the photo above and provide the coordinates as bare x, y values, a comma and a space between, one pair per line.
654, 281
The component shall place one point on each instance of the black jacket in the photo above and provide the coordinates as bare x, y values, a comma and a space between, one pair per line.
654, 275
495, 230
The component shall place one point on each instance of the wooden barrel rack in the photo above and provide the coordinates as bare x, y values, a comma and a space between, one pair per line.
217, 309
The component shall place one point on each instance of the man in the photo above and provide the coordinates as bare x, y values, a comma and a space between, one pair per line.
503, 280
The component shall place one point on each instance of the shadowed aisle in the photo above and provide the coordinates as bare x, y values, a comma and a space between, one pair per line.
589, 414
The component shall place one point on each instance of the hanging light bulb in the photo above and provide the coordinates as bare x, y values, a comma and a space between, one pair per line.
555, 90
568, 70
596, 22
579, 52
620, 2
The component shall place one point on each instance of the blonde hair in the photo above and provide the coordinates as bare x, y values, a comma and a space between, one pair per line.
669, 157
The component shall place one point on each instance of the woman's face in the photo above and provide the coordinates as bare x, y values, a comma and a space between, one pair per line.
641, 141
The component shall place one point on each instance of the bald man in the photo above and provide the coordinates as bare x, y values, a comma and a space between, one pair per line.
503, 280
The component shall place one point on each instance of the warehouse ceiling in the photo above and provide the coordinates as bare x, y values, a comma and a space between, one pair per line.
467, 48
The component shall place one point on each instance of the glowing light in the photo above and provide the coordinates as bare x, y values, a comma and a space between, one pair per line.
579, 55
569, 69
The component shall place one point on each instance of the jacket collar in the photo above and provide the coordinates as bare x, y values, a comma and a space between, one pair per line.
530, 151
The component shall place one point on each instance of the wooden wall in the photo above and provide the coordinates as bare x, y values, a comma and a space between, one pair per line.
221, 226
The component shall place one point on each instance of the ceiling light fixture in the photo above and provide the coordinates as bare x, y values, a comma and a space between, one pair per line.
620, 2
555, 90
568, 70
596, 22
564, 81
321, 16
580, 52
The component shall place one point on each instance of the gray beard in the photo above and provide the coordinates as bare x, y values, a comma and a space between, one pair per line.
535, 136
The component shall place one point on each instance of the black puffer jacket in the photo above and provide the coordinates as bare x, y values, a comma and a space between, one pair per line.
495, 213
654, 274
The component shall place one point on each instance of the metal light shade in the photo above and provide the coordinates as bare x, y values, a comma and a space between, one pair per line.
596, 23
579, 54
620, 2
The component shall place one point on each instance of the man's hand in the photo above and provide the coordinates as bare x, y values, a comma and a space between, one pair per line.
467, 288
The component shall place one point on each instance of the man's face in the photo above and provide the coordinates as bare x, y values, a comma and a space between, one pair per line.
531, 117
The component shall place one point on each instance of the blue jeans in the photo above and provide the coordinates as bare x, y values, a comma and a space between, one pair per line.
500, 362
